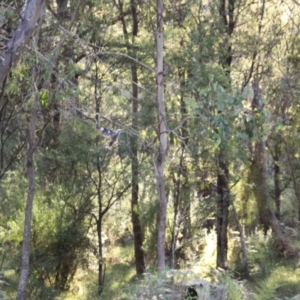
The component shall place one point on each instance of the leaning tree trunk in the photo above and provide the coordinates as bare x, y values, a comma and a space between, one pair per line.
266, 213
259, 178
163, 141
33, 9
21, 293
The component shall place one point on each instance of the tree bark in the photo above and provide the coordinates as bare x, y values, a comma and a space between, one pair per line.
176, 222
260, 188
101, 265
163, 141
33, 9
228, 18
136, 224
277, 190
21, 293
181, 189
223, 203
259, 178
135, 217
98, 186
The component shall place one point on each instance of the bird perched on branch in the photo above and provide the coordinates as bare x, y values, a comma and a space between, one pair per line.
112, 135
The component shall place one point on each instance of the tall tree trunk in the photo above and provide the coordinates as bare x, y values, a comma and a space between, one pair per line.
181, 194
136, 223
163, 140
135, 218
98, 185
258, 167
21, 293
228, 19
183, 170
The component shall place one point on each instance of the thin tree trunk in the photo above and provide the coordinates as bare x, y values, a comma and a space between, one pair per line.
99, 217
183, 170
136, 224
101, 265
244, 268
223, 203
175, 225
277, 190
181, 194
163, 141
21, 293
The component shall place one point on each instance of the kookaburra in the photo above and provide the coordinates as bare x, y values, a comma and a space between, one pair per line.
112, 135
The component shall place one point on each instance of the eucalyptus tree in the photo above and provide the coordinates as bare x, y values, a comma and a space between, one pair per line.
38, 89
131, 47
229, 17
32, 11
163, 140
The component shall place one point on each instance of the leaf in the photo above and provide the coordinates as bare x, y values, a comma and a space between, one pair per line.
44, 98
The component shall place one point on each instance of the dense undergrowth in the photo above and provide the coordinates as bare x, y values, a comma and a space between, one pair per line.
270, 278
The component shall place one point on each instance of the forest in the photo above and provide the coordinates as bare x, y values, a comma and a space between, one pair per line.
148, 149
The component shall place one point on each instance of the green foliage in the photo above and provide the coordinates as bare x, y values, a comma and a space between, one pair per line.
44, 98
2, 282
273, 278
156, 286
263, 257
55, 261
82, 74
266, 290
236, 289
